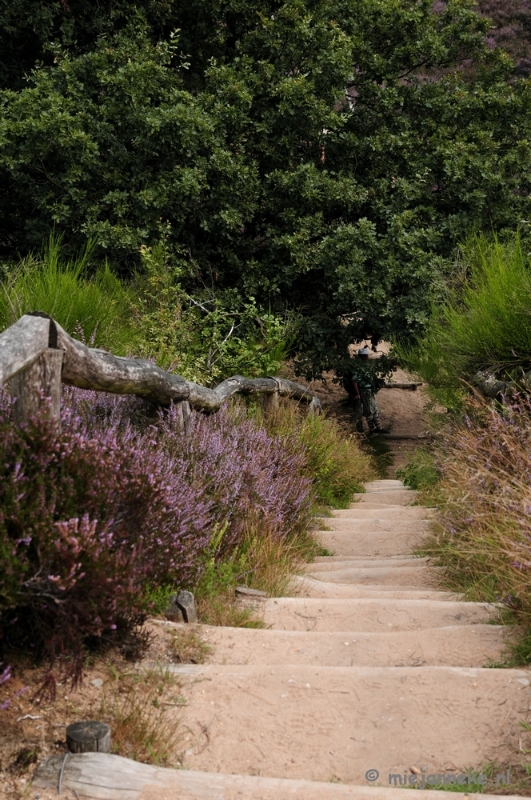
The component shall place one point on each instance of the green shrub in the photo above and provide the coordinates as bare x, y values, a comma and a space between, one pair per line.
209, 336
421, 471
483, 324
94, 307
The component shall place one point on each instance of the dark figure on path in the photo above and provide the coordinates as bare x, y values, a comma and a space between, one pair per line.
361, 386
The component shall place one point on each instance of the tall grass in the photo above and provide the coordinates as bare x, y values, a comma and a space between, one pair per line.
483, 324
336, 464
140, 708
93, 306
483, 536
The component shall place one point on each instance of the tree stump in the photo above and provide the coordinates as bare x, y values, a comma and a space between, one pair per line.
88, 737
173, 612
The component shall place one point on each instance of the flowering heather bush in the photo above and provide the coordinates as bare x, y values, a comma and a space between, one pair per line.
335, 463
89, 519
5, 675
484, 536
249, 476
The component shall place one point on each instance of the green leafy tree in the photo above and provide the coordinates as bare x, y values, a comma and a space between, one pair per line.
304, 152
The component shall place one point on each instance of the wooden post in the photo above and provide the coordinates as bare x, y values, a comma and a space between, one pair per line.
182, 407
39, 387
173, 612
88, 737
270, 404
185, 601
315, 406
185, 405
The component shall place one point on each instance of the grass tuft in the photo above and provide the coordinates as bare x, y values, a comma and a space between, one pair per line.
93, 305
140, 706
188, 646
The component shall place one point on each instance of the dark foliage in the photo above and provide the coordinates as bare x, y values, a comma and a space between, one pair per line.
298, 153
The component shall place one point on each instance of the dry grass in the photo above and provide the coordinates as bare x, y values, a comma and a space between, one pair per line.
140, 707
263, 562
187, 646
224, 609
483, 536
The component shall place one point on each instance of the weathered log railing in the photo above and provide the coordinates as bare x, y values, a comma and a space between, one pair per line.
36, 355
489, 385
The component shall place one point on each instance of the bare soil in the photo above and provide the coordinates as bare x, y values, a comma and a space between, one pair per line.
33, 728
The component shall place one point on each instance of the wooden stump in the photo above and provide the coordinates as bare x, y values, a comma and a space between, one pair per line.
88, 737
39, 387
173, 612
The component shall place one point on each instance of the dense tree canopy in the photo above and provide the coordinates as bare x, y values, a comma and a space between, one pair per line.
325, 156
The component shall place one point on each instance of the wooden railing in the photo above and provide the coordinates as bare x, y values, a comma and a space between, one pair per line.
37, 355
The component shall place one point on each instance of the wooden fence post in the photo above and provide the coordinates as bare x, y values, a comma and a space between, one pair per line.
88, 737
270, 404
39, 387
182, 407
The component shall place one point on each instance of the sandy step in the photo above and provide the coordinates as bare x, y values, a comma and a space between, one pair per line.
310, 587
368, 559
376, 486
331, 563
459, 645
109, 777
365, 513
378, 615
393, 497
373, 542
338, 722
421, 576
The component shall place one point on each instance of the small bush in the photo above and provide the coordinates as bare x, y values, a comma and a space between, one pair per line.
208, 336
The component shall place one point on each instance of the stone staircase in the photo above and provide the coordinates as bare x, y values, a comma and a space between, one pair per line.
367, 679
367, 668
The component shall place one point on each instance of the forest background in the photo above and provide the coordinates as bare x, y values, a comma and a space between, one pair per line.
295, 172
